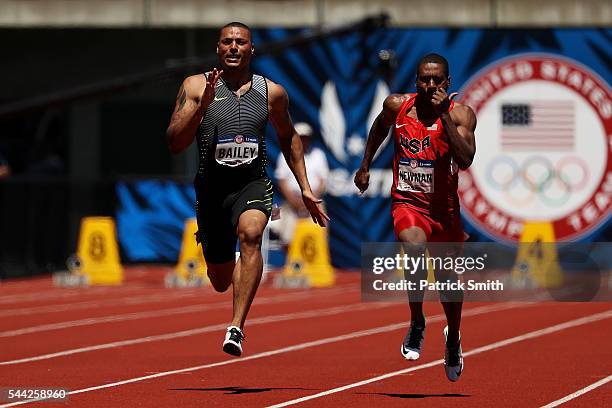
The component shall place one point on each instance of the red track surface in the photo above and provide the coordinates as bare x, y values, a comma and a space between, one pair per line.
294, 348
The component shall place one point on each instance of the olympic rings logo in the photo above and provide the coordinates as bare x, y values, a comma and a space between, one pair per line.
552, 183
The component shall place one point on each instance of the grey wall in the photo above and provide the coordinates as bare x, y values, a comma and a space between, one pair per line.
207, 13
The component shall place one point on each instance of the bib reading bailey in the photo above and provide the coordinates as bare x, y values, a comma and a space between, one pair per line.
231, 138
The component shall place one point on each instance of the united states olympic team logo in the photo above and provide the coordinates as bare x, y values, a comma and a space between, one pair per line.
544, 144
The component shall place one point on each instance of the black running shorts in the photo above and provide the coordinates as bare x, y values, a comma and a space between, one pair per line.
218, 213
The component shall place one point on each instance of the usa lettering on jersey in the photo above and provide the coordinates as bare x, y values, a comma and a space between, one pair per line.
415, 145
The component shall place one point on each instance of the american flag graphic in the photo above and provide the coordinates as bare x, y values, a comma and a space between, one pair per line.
538, 125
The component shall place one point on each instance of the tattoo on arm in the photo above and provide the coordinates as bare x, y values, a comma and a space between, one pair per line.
182, 98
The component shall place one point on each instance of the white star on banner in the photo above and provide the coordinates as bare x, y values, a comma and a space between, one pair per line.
355, 145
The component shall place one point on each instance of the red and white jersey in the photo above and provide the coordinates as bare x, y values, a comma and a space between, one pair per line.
424, 175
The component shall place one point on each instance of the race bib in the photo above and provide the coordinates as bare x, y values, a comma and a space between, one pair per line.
236, 150
416, 175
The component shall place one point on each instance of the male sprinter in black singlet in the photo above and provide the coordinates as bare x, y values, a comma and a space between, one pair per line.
227, 111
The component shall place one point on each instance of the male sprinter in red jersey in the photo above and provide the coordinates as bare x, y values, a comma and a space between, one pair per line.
226, 111
433, 136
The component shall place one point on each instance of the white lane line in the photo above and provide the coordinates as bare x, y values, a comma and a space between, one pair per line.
377, 330
92, 304
353, 307
62, 293
578, 393
50, 294
537, 333
165, 312
162, 296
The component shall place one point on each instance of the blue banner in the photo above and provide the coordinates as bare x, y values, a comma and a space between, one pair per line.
338, 86
151, 217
